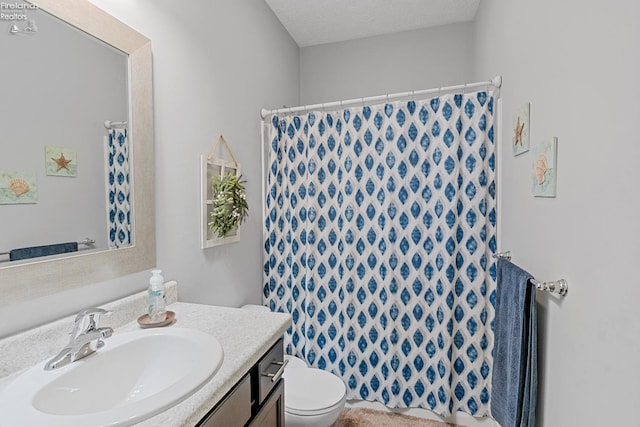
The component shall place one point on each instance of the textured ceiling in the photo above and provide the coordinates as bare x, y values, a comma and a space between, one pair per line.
313, 22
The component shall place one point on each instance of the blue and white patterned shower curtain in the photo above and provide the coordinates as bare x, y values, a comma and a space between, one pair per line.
380, 225
118, 189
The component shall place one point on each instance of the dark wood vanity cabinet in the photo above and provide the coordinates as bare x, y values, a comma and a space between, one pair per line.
257, 400
271, 413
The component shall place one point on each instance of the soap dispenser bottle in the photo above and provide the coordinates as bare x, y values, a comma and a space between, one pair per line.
157, 305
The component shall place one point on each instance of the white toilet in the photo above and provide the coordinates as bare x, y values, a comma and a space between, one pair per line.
312, 397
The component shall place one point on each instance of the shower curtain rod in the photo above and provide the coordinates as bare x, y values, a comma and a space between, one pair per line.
112, 125
496, 82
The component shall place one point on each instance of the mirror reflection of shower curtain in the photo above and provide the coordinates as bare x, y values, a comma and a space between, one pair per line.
118, 189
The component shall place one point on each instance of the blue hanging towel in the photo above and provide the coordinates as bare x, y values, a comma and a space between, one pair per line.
46, 250
514, 382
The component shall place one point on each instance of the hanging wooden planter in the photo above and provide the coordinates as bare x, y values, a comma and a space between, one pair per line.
224, 206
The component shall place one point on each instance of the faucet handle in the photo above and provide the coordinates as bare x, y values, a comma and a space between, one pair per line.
87, 320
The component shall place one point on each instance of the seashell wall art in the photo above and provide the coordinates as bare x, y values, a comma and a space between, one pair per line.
17, 187
544, 168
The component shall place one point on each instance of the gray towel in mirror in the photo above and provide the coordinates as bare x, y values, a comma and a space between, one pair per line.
46, 250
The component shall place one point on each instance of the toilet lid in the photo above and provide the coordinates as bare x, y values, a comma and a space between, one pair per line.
294, 362
310, 390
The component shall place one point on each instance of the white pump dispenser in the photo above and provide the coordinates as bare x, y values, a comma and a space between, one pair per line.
157, 305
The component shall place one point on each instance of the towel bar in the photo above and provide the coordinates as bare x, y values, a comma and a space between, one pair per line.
560, 286
506, 255
556, 287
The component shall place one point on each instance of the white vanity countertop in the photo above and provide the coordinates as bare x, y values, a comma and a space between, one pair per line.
245, 335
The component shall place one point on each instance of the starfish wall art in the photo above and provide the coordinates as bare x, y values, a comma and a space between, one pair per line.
521, 130
60, 161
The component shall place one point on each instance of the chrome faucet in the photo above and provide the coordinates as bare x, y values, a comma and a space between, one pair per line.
86, 338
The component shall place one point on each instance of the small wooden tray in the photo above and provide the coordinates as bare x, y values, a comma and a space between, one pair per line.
144, 321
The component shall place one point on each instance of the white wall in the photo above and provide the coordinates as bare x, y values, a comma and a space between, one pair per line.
578, 64
216, 64
411, 60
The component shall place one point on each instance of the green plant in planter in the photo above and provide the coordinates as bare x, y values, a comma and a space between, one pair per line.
230, 207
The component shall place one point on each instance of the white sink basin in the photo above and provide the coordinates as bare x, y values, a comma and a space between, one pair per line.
133, 377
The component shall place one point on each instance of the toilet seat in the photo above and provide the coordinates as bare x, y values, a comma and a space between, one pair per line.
311, 391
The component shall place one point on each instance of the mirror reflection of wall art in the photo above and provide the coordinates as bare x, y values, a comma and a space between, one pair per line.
521, 130
545, 168
60, 161
17, 187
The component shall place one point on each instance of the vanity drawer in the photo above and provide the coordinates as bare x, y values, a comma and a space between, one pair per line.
234, 410
270, 370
